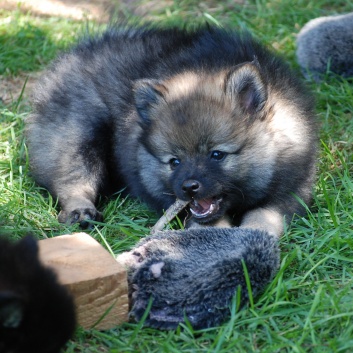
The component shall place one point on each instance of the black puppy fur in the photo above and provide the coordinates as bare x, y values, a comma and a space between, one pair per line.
36, 313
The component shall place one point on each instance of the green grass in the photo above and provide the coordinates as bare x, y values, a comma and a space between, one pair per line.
309, 305
28, 43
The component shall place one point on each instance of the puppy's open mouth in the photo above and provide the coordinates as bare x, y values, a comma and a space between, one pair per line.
206, 207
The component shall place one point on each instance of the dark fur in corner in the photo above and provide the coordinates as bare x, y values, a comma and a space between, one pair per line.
196, 273
36, 313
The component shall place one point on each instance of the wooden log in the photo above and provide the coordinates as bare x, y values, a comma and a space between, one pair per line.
96, 280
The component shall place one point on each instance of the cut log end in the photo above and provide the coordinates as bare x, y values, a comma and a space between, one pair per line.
97, 282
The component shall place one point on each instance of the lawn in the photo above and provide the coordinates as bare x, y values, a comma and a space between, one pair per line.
309, 305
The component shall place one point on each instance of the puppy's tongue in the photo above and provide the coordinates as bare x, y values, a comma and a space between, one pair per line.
204, 208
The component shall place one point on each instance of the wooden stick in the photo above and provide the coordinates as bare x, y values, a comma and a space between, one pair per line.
96, 280
169, 214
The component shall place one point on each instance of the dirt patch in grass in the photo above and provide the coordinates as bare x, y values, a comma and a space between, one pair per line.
97, 10
11, 87
92, 9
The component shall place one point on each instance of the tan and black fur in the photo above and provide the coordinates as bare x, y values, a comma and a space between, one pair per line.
208, 115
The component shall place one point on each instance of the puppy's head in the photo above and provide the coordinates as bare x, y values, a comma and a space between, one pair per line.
200, 139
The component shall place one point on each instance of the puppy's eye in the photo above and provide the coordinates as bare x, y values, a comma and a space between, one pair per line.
218, 155
174, 162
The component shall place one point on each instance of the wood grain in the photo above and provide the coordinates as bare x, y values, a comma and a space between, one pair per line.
96, 280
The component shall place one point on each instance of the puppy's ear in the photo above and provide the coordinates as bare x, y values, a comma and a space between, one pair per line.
246, 87
148, 93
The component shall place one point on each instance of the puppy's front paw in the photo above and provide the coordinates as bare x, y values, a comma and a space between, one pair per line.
81, 216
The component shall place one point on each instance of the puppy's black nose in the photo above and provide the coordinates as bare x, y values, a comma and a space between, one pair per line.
191, 187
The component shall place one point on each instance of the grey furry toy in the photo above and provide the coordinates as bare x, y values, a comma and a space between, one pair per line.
195, 273
326, 43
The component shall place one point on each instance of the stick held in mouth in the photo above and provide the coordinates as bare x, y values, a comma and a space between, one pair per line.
169, 215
